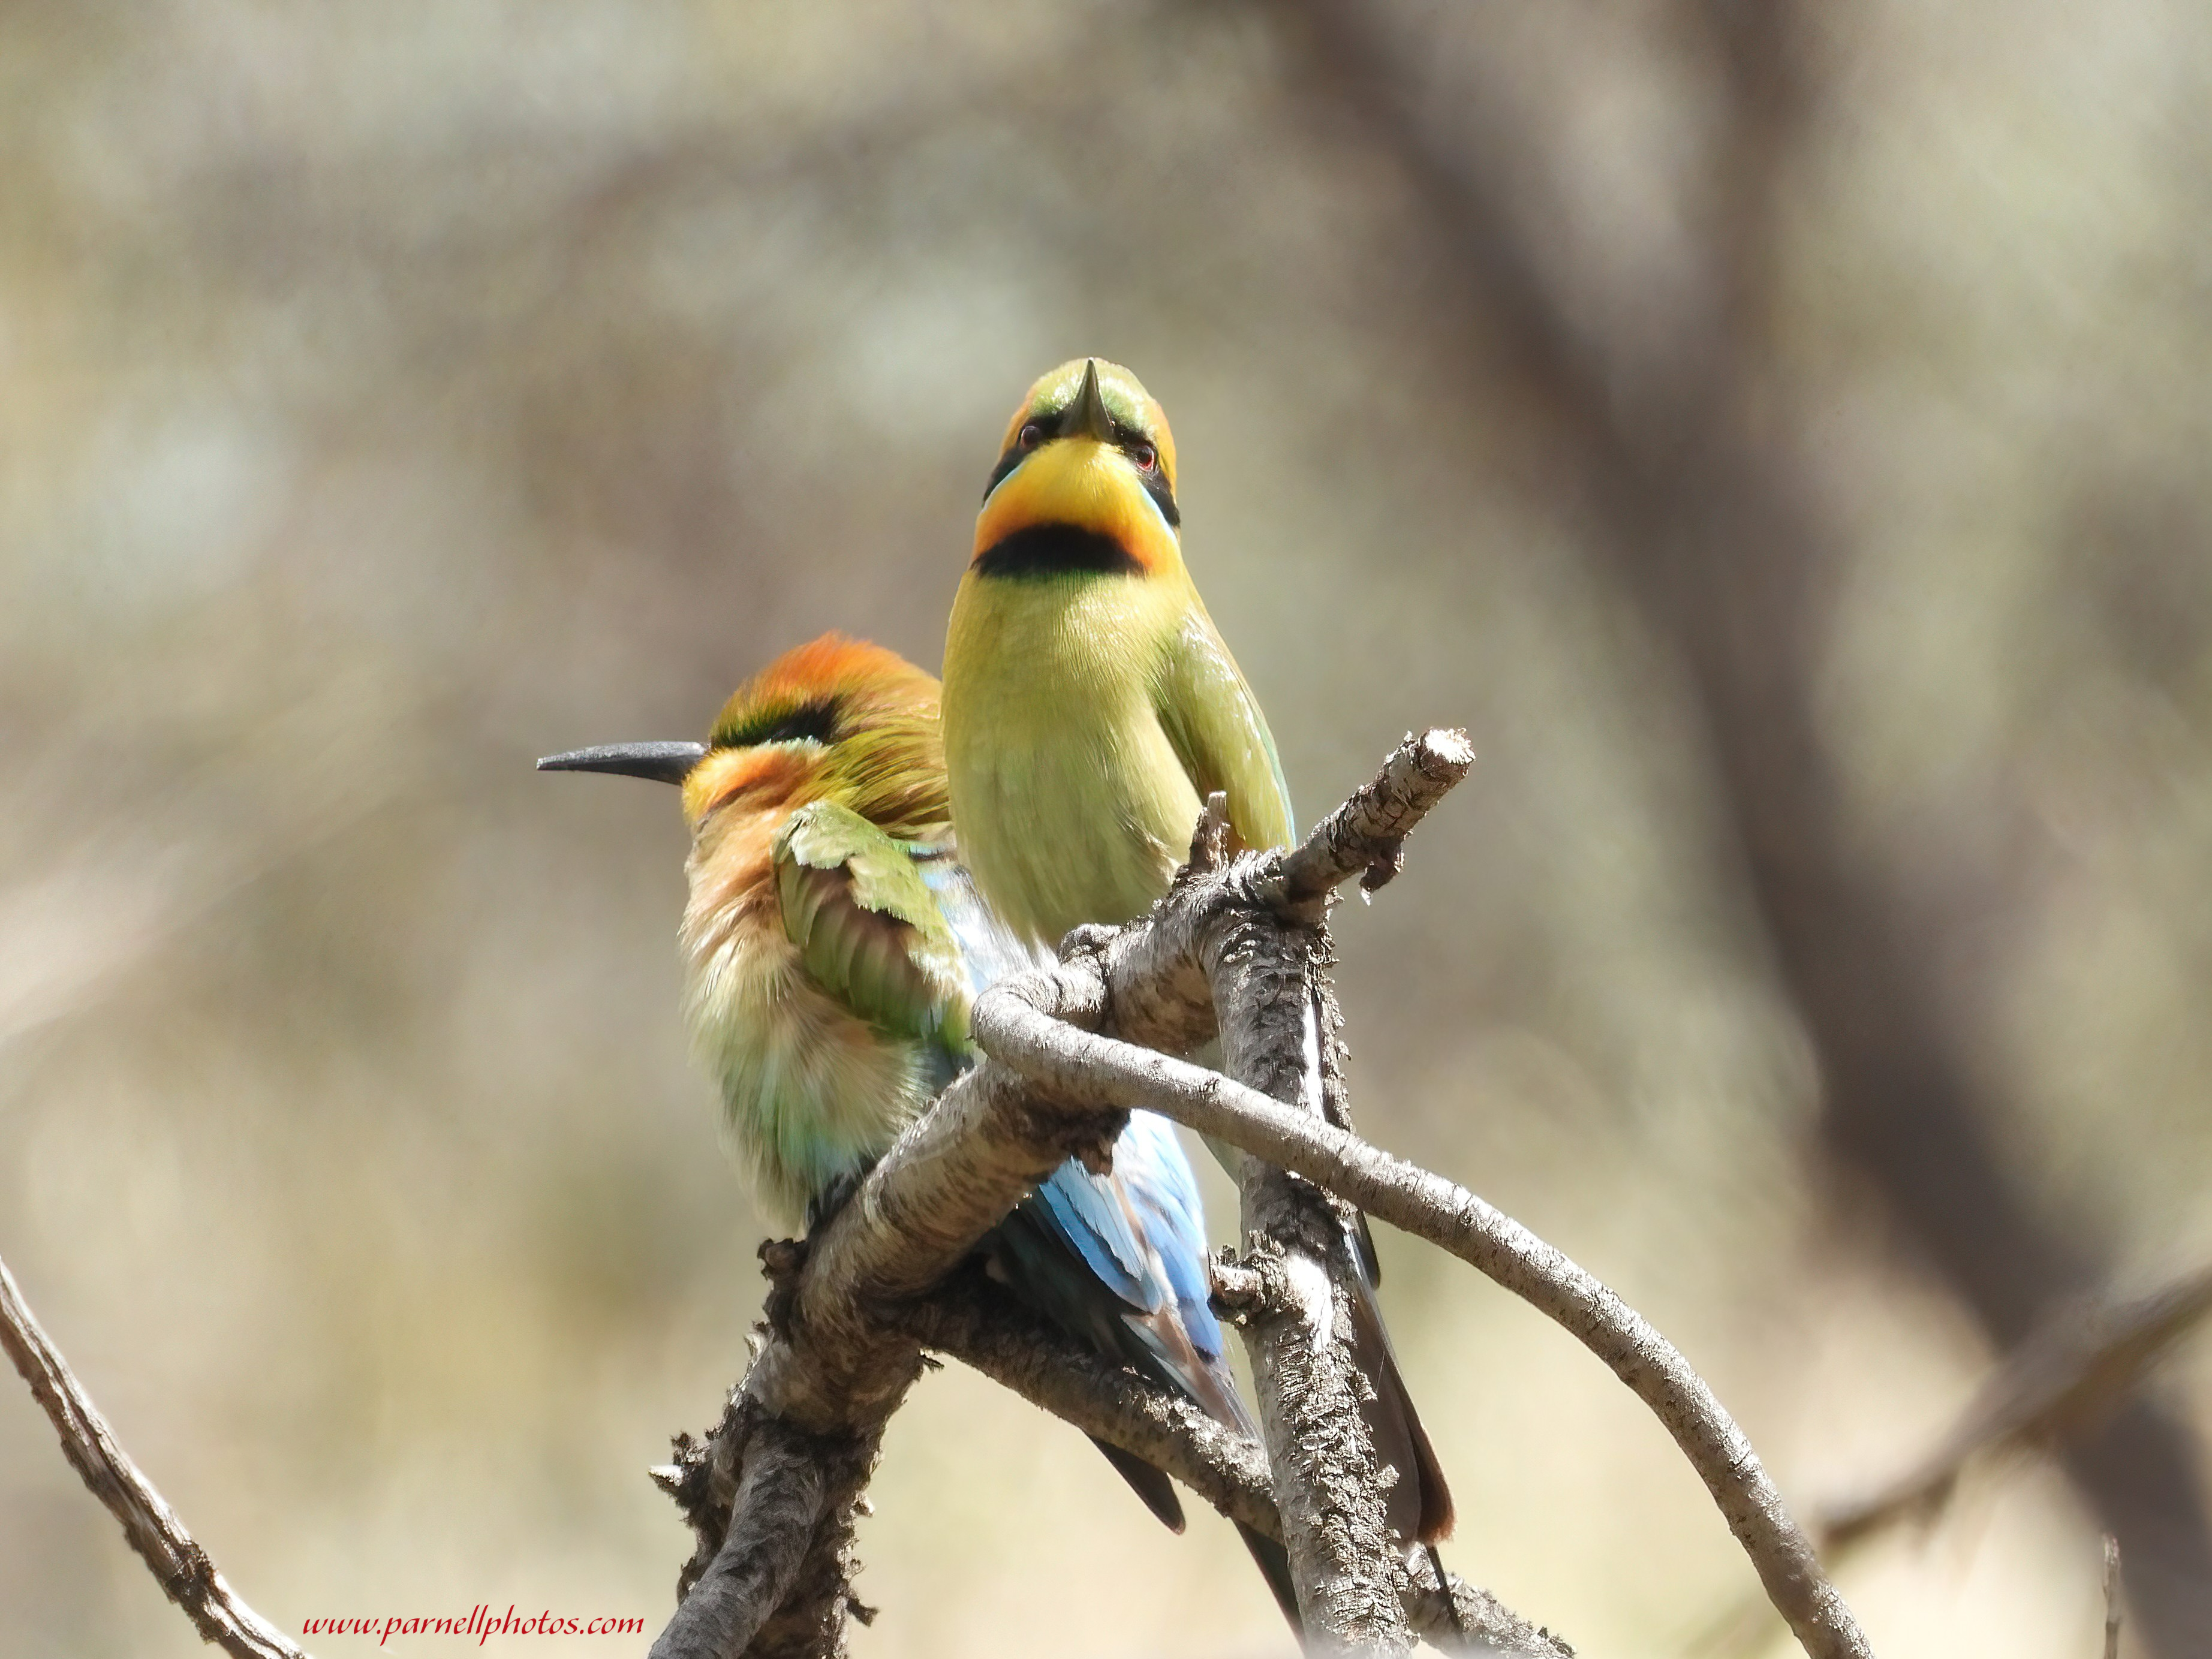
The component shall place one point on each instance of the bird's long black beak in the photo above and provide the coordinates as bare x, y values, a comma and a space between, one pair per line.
1086, 416
669, 762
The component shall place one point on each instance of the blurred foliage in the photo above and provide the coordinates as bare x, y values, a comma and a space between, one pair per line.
391, 395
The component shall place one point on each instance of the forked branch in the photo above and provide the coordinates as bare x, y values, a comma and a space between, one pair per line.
1096, 1072
1047, 1026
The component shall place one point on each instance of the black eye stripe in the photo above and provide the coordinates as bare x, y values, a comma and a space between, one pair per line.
816, 722
1157, 486
1014, 457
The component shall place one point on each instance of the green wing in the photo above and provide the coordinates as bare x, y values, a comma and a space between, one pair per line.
867, 926
1215, 726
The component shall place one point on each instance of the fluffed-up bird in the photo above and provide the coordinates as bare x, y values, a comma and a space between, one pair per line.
1090, 708
833, 944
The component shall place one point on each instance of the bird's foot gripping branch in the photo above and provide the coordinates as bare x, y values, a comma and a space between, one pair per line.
1238, 948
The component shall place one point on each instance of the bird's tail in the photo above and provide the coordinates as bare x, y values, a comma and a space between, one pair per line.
1274, 1563
1420, 1508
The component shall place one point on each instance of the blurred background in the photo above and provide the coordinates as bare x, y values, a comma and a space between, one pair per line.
1776, 434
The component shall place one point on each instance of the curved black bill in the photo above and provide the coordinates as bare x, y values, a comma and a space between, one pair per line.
669, 762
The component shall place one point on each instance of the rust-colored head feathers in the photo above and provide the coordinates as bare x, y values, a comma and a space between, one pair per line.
1084, 482
837, 717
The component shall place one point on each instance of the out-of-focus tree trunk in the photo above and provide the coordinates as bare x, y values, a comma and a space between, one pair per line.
1681, 462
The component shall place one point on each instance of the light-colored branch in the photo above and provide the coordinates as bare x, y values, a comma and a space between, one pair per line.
2112, 1597
1365, 837
1023, 1023
2074, 1368
1257, 933
172, 1555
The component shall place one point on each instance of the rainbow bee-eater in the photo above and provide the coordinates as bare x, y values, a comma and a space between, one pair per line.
833, 944
1090, 708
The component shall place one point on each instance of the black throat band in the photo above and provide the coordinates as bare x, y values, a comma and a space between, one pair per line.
1056, 549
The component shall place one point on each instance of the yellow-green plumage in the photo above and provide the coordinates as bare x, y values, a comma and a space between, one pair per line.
1090, 705
1090, 708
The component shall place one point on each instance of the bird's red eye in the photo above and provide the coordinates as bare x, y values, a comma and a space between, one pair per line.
1146, 457
1031, 436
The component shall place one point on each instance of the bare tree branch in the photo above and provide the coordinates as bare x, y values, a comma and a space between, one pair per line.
1265, 965
1035, 1024
2112, 1597
1366, 836
2071, 1372
1266, 970
1301, 1336
777, 1586
1099, 1071
171, 1553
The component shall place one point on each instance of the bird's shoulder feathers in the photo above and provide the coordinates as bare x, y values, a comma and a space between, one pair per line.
868, 927
1215, 726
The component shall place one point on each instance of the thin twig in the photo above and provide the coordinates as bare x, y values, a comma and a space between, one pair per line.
2112, 1597
1365, 837
2074, 1368
172, 1555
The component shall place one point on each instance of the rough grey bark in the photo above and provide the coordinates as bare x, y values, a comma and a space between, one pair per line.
776, 1582
1266, 969
1300, 1338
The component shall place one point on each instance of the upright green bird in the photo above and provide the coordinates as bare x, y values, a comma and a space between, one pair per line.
1090, 704
1090, 708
